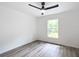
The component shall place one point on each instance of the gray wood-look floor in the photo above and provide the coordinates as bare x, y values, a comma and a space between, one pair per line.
42, 49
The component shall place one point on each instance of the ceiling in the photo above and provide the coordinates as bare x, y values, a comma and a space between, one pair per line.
23, 7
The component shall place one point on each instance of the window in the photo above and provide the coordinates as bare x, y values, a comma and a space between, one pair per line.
53, 28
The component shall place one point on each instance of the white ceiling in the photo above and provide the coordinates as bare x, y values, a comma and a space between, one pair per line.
23, 7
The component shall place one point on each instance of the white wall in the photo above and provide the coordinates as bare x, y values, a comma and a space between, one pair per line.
16, 29
68, 28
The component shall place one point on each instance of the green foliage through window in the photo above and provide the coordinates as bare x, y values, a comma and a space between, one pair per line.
53, 28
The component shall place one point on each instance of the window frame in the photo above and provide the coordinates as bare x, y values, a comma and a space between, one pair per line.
48, 29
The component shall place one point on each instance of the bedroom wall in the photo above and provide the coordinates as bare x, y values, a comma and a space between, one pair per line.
16, 29
68, 28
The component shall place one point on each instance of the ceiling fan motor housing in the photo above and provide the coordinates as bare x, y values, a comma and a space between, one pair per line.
42, 3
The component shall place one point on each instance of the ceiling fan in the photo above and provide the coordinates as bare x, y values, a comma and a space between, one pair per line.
43, 7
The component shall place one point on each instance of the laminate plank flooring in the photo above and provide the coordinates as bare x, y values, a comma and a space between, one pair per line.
42, 49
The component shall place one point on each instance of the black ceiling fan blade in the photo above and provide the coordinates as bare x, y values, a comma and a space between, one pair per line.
34, 6
51, 7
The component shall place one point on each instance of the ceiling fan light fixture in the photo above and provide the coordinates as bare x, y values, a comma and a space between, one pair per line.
42, 12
